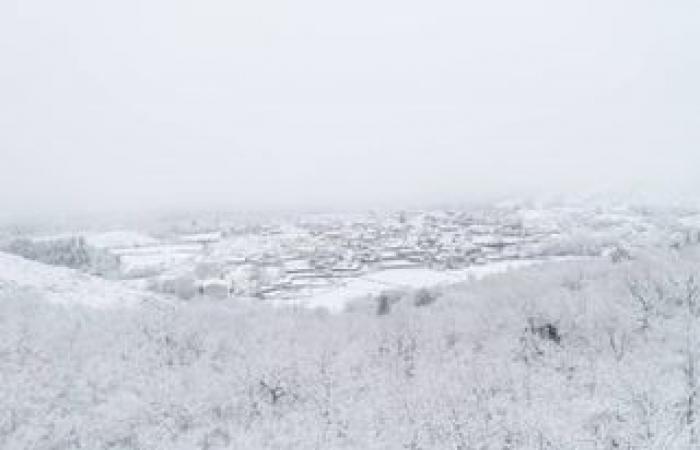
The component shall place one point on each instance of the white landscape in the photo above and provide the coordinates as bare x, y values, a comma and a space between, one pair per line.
371, 224
561, 349
336, 299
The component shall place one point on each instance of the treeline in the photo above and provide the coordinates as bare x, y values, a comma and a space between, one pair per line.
72, 252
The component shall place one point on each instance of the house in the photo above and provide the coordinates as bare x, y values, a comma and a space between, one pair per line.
298, 266
398, 263
347, 268
235, 260
489, 241
388, 255
215, 288
202, 238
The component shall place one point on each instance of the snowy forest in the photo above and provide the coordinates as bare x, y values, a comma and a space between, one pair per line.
583, 354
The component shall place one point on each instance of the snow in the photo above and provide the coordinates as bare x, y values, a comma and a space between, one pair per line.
201, 237
150, 250
120, 239
691, 221
335, 299
475, 360
107, 240
153, 259
66, 286
53, 237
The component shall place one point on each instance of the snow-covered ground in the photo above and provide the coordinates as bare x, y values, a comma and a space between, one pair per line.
144, 261
67, 286
120, 239
336, 298
564, 344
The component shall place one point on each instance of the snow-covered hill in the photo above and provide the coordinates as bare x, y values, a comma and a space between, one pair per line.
68, 286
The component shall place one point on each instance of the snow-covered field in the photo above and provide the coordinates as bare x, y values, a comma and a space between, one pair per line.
336, 298
120, 239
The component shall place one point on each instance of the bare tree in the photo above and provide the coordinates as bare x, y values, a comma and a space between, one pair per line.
690, 298
648, 294
618, 341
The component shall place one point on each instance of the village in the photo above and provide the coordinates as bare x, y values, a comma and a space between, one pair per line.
292, 258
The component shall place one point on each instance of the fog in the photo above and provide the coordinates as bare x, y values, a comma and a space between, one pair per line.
271, 103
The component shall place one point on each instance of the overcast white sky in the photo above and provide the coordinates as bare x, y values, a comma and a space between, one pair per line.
282, 103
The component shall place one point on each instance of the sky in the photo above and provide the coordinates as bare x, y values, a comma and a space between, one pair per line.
271, 103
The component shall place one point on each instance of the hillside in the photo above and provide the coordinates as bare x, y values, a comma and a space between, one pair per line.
568, 355
67, 286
